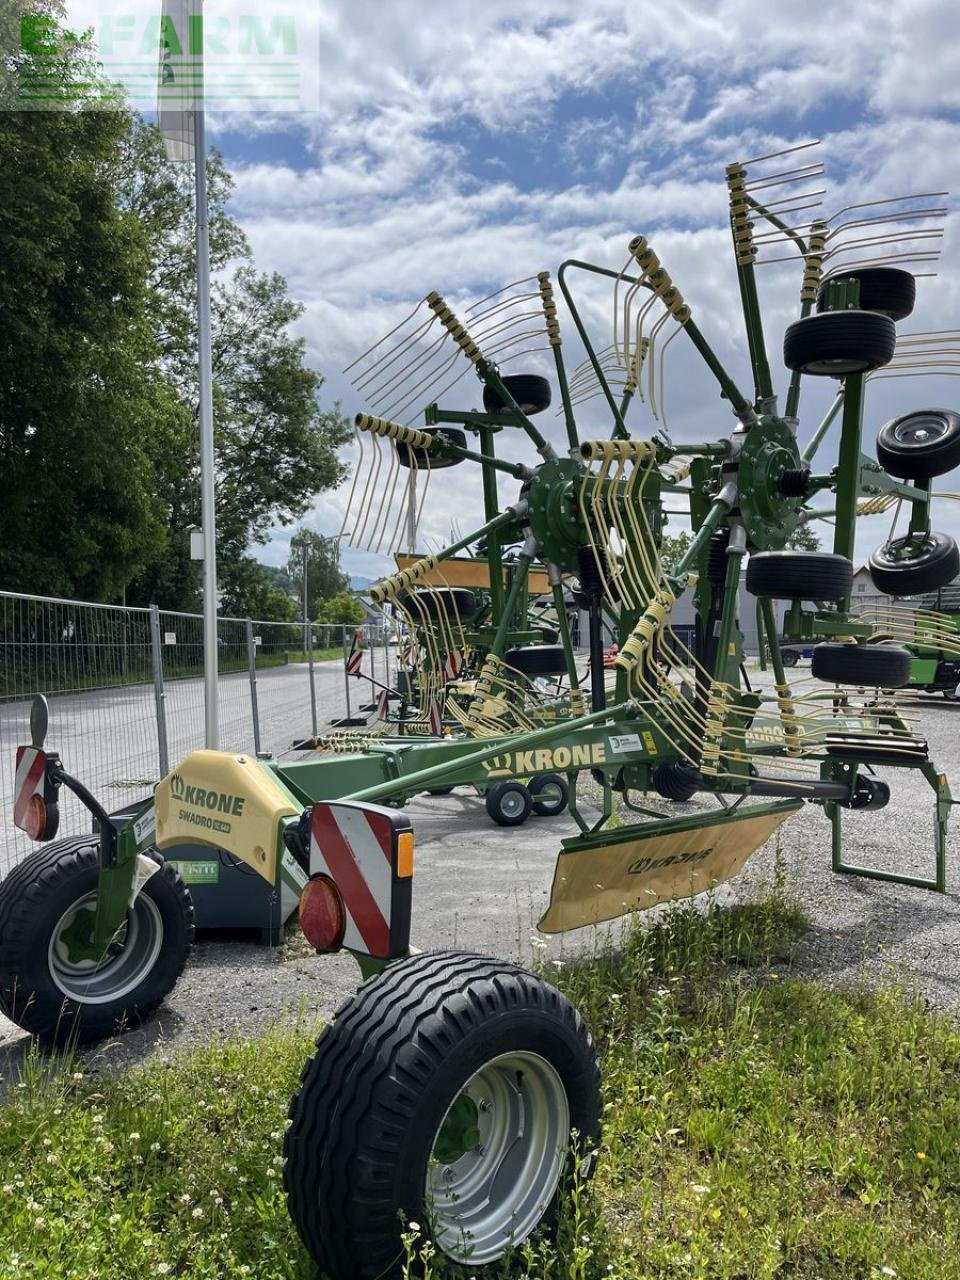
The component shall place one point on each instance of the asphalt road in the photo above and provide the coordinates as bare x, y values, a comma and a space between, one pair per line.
482, 887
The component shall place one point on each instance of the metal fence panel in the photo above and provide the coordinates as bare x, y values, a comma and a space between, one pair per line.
125, 688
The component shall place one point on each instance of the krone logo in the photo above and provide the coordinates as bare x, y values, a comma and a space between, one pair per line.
176, 786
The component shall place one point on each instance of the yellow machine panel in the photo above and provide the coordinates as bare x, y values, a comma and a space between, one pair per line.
604, 881
469, 573
228, 801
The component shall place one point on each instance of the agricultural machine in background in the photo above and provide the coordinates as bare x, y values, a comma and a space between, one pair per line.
451, 1088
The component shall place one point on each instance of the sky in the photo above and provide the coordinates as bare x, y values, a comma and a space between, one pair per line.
457, 147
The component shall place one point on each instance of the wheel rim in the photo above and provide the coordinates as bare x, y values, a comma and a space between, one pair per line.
550, 796
919, 430
511, 804
497, 1157
100, 982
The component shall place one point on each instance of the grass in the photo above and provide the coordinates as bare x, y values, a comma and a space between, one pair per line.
756, 1125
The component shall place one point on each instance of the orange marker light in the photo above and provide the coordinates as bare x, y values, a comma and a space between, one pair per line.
405, 855
35, 819
323, 917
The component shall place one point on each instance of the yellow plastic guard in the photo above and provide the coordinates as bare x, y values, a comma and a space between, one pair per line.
631, 872
228, 801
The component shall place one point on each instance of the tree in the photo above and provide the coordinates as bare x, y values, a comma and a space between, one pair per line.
81, 400
804, 538
246, 591
673, 548
276, 447
325, 578
344, 608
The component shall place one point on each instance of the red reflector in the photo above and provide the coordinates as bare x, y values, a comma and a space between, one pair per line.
323, 918
35, 819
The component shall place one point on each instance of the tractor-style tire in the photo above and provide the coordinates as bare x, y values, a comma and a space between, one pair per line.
538, 660
799, 575
509, 803
64, 1001
835, 343
936, 563
409, 457
888, 290
448, 1092
531, 392
920, 445
789, 657
439, 604
873, 666
549, 793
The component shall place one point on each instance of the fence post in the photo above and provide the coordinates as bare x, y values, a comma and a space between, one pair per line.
159, 696
252, 664
346, 672
313, 686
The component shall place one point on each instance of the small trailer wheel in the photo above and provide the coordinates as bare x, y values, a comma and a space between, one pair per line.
47, 986
870, 665
799, 575
530, 390
910, 565
888, 290
447, 1092
836, 343
509, 804
549, 792
920, 445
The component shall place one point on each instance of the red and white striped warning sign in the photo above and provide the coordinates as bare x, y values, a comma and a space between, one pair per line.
354, 847
453, 664
435, 717
383, 704
31, 763
355, 656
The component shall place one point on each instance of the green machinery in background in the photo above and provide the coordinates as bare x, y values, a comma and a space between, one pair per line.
451, 1088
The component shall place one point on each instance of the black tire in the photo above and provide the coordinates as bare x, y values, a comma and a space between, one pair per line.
920, 445
676, 780
936, 563
799, 575
440, 791
888, 290
380, 1086
549, 635
407, 456
548, 792
39, 993
509, 803
435, 604
874, 666
537, 660
531, 392
789, 657
835, 343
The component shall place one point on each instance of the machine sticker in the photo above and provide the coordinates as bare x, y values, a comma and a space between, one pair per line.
145, 826
198, 872
620, 742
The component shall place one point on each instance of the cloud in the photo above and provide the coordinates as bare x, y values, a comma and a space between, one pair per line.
460, 146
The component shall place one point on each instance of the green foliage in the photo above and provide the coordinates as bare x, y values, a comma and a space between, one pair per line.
325, 578
804, 538
755, 1125
247, 591
673, 547
344, 608
80, 400
99, 449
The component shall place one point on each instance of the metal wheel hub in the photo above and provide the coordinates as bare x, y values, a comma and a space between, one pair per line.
497, 1158
919, 430
86, 979
511, 804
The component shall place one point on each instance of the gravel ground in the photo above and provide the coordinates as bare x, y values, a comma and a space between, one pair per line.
482, 887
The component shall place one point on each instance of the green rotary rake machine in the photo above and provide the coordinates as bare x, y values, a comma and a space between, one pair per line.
454, 1088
